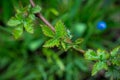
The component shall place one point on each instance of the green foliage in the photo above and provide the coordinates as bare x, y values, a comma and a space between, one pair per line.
52, 42
115, 51
26, 59
104, 60
51, 54
91, 55
113, 72
13, 22
58, 36
36, 9
115, 56
78, 41
60, 30
47, 31
17, 32
99, 66
99, 55
28, 27
23, 18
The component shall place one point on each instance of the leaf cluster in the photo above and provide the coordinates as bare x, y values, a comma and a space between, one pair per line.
60, 38
23, 20
104, 60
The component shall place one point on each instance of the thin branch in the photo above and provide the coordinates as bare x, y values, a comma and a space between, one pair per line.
80, 50
39, 15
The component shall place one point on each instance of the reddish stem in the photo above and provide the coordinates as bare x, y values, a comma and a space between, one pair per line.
39, 15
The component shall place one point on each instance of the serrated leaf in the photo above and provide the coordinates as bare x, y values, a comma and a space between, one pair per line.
99, 66
17, 32
13, 22
52, 43
47, 31
115, 59
36, 9
29, 27
60, 30
102, 54
115, 51
91, 55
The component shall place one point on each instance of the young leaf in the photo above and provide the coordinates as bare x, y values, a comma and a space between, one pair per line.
99, 66
13, 22
47, 31
91, 55
116, 61
32, 16
115, 57
115, 51
102, 54
52, 43
17, 32
29, 28
36, 9
60, 29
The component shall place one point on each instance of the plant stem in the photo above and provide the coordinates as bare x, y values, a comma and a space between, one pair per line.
80, 50
39, 15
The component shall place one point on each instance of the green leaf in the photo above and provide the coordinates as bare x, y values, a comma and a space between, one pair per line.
52, 43
78, 41
115, 51
99, 66
47, 31
115, 57
103, 55
64, 45
60, 30
91, 55
99, 55
36, 9
29, 27
32, 16
19, 16
116, 61
13, 22
17, 32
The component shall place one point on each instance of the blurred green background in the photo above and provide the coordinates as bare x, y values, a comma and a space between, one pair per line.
26, 59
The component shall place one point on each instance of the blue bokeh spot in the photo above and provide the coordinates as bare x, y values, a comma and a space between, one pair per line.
101, 25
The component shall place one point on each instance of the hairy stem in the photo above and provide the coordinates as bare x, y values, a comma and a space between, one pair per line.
39, 15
